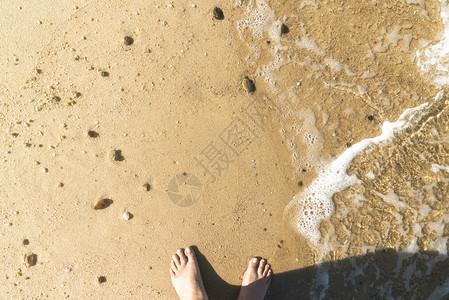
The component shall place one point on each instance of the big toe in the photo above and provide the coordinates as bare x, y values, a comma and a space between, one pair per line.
253, 264
190, 254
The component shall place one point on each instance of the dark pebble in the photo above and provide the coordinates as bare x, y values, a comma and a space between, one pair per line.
218, 13
30, 259
284, 29
117, 155
101, 279
92, 134
371, 118
128, 40
105, 74
25, 242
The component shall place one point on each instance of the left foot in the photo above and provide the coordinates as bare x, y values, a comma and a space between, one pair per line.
185, 276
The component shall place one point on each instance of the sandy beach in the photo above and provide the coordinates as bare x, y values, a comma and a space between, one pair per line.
311, 133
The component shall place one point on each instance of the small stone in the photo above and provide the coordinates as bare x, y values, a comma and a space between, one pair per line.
370, 117
93, 134
25, 242
193, 5
126, 215
117, 155
218, 13
105, 74
30, 259
102, 203
284, 29
101, 279
147, 187
60, 184
128, 40
248, 85
44, 170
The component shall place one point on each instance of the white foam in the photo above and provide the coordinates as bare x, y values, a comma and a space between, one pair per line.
306, 43
315, 205
434, 59
436, 168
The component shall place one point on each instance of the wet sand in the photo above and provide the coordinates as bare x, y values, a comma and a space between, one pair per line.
162, 127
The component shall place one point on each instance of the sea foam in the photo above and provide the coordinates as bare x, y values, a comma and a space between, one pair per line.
315, 204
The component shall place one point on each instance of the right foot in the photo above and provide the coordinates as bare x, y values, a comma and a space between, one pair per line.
256, 280
185, 276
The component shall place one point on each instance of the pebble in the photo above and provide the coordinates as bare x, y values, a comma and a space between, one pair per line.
102, 203
44, 170
105, 74
25, 242
30, 259
128, 40
101, 279
218, 13
92, 134
126, 215
147, 187
284, 29
60, 184
117, 155
248, 85
193, 5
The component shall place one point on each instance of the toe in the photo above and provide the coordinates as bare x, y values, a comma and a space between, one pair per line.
182, 256
177, 260
172, 273
190, 254
252, 264
173, 266
261, 266
265, 271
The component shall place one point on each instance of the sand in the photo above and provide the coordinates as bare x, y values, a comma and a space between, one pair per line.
168, 128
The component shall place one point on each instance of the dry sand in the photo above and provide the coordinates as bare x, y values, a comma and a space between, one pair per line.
84, 117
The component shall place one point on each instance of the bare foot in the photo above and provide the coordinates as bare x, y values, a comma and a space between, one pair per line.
256, 280
185, 276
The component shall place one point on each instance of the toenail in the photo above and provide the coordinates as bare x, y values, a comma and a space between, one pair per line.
254, 260
188, 250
